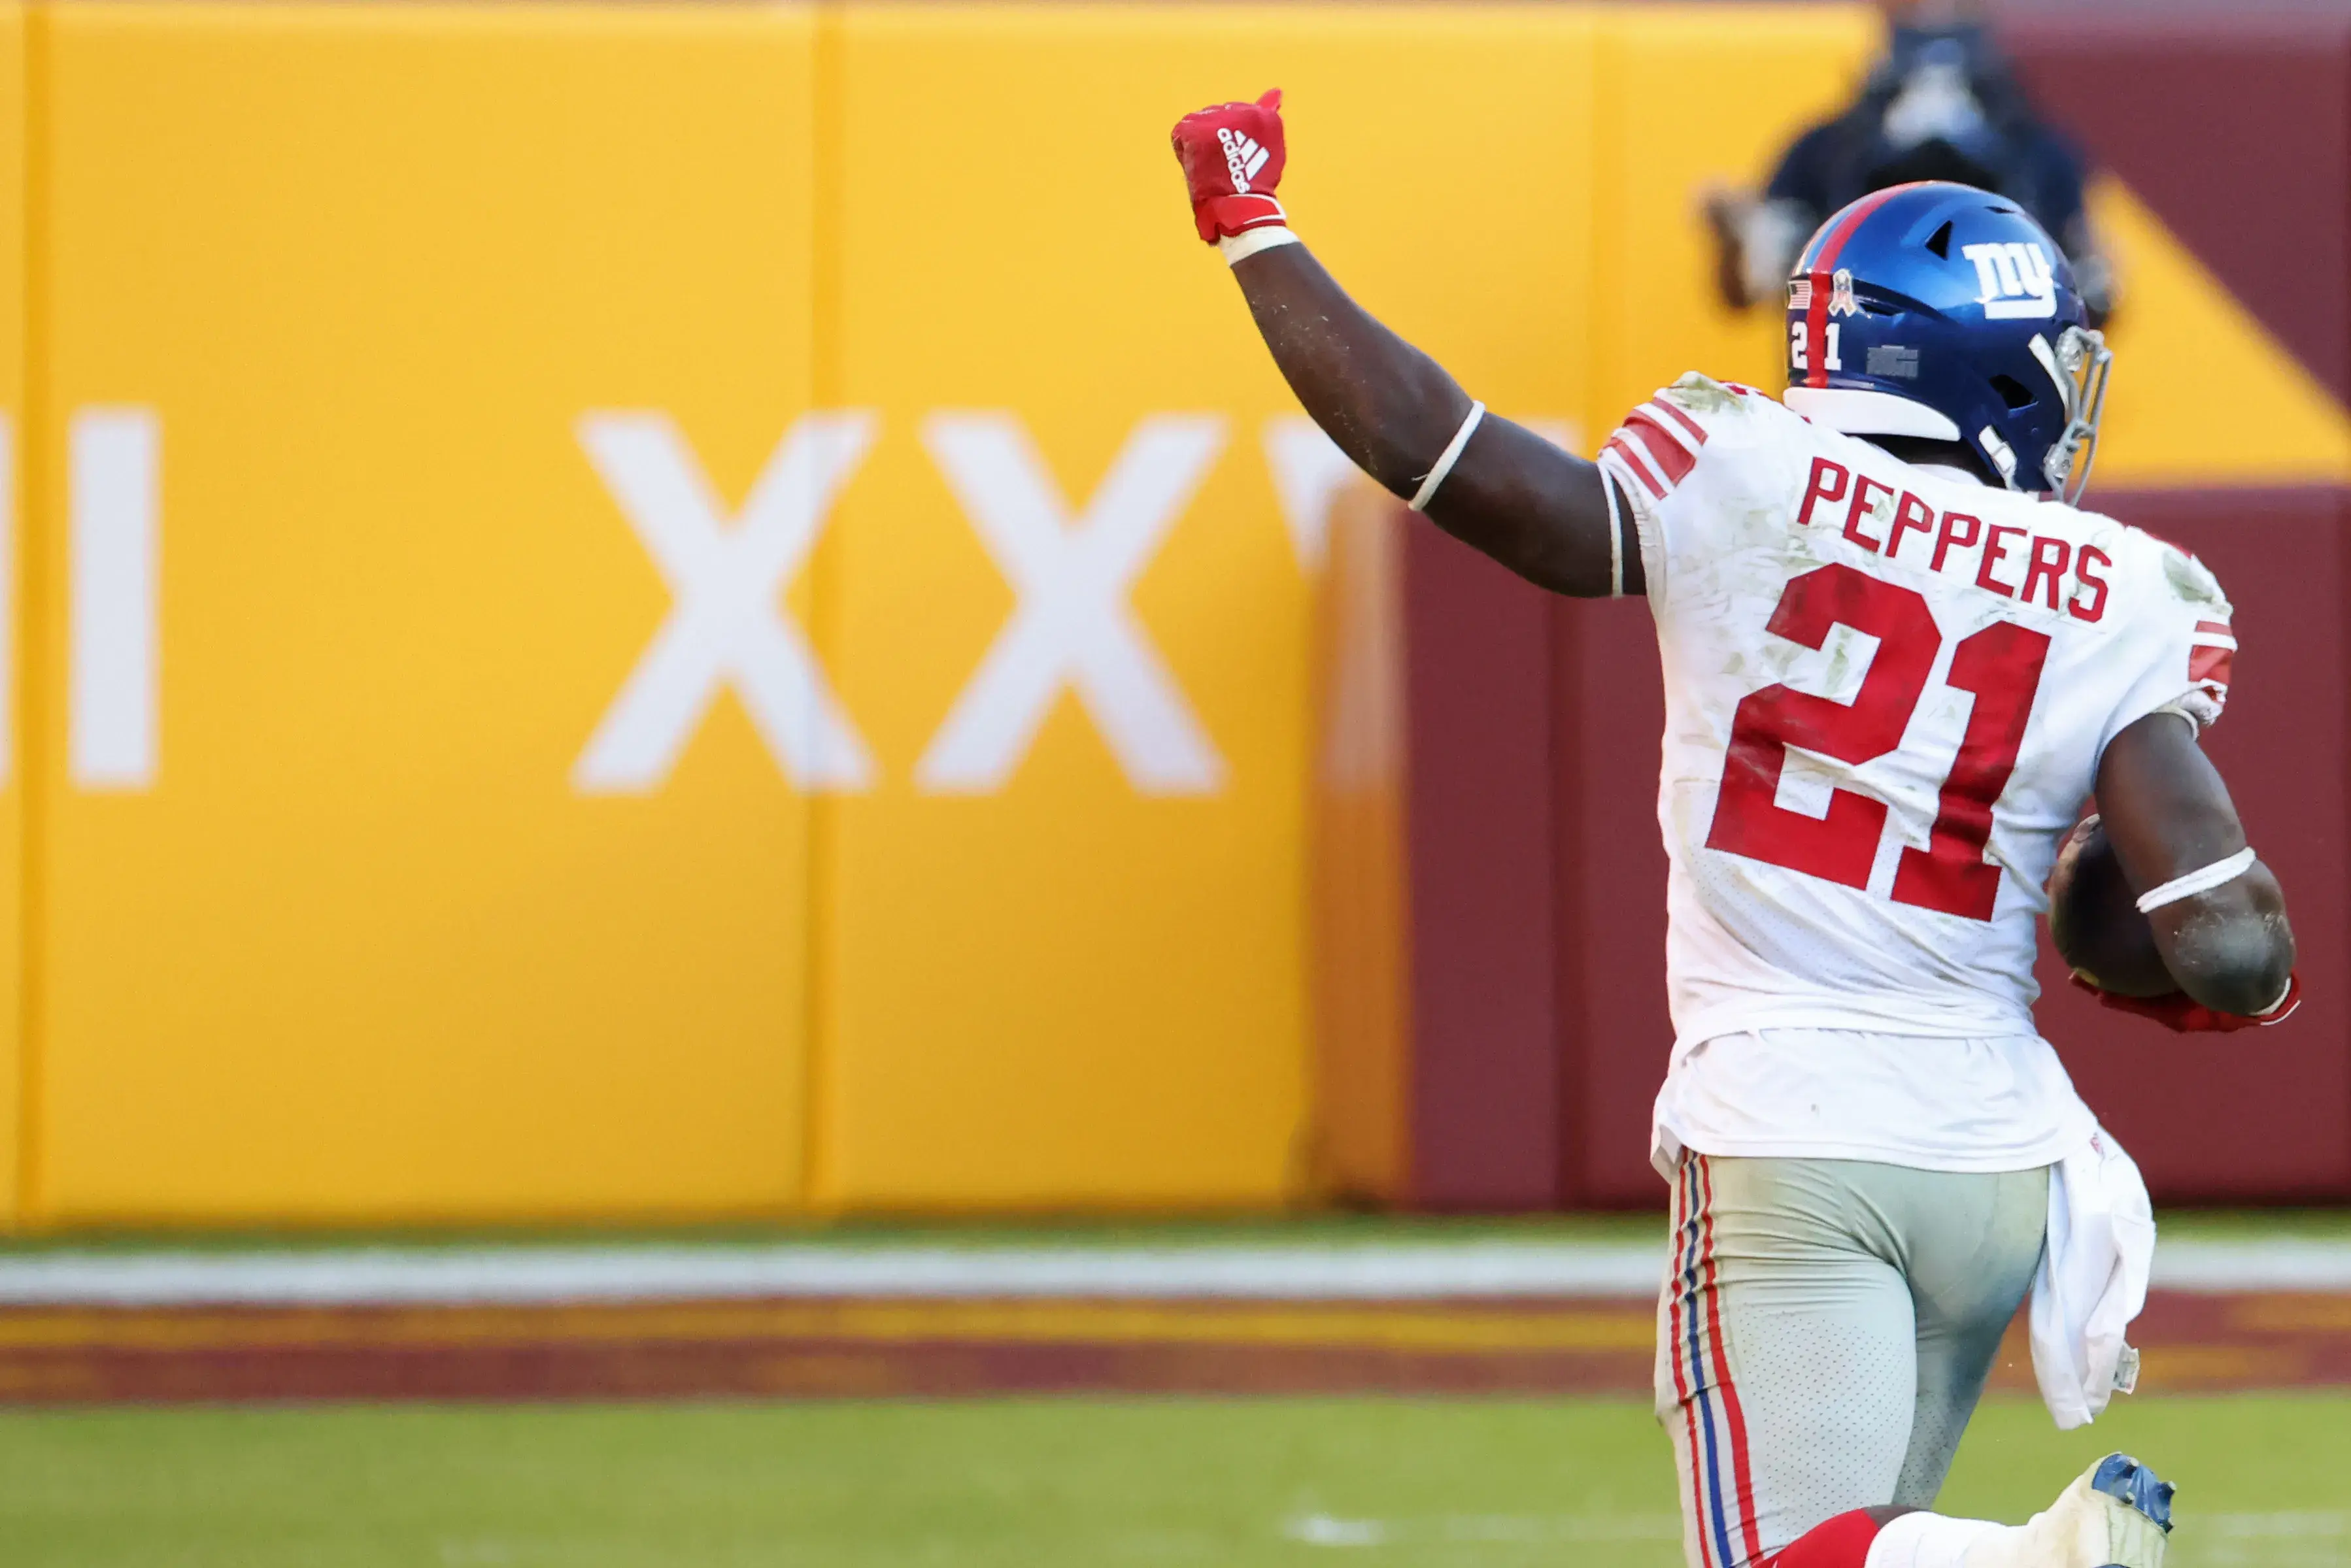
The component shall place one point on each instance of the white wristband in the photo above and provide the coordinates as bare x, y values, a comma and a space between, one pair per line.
1238, 248
2200, 882
1452, 454
2284, 997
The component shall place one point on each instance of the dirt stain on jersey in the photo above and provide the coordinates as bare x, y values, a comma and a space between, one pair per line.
2189, 580
1702, 396
1840, 664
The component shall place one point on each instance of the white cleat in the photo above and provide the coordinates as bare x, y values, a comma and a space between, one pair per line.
2116, 1515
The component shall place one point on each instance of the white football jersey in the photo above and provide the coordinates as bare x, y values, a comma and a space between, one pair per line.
1888, 688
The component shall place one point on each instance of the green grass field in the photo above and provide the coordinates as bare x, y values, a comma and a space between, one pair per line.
1033, 1483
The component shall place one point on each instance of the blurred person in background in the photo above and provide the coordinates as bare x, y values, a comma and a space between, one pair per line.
1941, 104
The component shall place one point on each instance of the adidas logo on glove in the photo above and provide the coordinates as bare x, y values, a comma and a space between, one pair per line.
1231, 155
1243, 157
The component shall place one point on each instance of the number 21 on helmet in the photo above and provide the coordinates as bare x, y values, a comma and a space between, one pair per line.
1944, 312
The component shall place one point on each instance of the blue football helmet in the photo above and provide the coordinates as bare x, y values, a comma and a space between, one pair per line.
1944, 312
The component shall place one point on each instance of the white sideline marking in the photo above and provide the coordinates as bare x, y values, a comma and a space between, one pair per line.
2218, 1267
1522, 1529
2218, 1540
2279, 1526
2266, 1540
1322, 1529
541, 1275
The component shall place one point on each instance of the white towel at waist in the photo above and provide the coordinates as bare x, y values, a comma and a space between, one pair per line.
2093, 1281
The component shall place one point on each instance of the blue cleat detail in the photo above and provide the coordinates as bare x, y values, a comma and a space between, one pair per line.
2123, 1477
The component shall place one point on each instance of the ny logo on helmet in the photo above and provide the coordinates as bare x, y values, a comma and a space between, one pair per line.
2018, 282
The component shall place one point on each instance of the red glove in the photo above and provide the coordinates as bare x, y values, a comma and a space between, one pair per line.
1232, 157
2177, 1014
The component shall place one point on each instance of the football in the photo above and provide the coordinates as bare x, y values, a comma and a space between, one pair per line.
2094, 921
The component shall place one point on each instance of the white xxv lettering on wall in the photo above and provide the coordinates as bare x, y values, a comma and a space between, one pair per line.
1071, 629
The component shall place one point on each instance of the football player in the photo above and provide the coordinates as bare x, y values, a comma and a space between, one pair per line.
1898, 663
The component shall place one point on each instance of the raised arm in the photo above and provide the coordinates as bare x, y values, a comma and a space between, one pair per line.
2169, 817
1543, 513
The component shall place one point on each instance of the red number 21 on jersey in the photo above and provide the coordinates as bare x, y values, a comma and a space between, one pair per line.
1999, 665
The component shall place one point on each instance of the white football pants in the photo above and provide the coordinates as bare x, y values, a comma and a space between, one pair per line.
1825, 1329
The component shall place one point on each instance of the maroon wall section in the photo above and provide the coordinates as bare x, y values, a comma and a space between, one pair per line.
1615, 1034
2233, 122
1486, 1071
2262, 1113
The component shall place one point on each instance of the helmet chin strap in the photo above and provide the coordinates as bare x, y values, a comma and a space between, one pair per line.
1994, 448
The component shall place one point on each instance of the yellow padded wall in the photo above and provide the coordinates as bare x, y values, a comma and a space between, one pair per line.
409, 382
1081, 977
1693, 95
2184, 347
14, 118
331, 932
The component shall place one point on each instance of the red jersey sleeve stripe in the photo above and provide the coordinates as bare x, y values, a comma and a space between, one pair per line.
1674, 460
1648, 461
2214, 629
2210, 666
1621, 473
1640, 470
1652, 415
1695, 430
